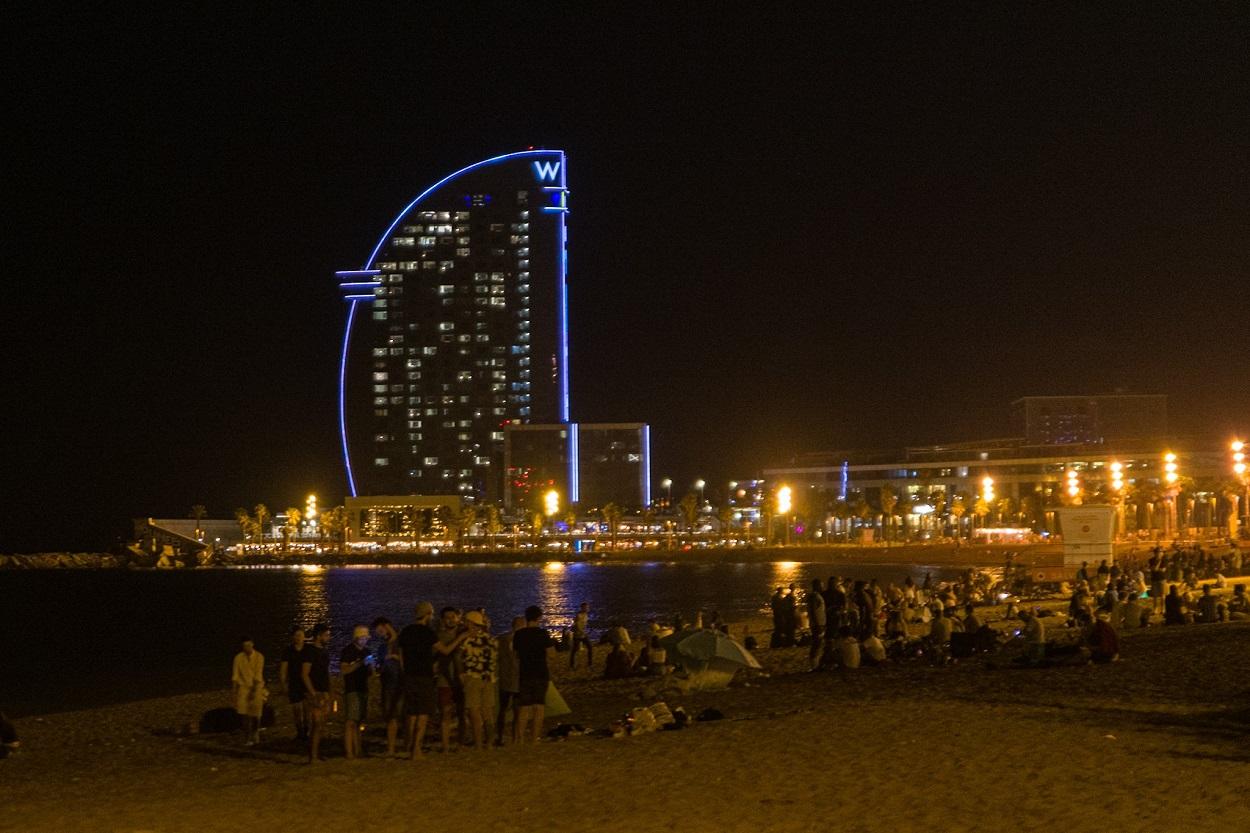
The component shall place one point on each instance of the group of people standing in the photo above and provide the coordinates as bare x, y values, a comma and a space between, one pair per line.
451, 668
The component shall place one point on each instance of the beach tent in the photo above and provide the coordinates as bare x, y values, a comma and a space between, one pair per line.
710, 659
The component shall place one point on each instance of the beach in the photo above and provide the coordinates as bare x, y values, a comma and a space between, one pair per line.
1155, 741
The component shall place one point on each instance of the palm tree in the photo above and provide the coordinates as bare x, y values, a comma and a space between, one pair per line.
906, 507
293, 517
198, 512
959, 507
842, 512
334, 523
980, 510
465, 520
888, 500
536, 525
726, 517
689, 507
263, 517
612, 517
247, 524
863, 511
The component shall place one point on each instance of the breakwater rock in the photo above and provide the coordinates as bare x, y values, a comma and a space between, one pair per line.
74, 561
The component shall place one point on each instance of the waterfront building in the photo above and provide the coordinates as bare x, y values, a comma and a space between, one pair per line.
457, 327
589, 464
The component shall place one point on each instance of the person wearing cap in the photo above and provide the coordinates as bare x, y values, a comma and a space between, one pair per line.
418, 645
481, 666
315, 674
354, 666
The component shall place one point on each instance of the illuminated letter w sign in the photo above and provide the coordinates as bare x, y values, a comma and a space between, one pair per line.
547, 171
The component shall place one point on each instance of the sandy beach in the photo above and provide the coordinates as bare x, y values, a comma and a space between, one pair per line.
1156, 741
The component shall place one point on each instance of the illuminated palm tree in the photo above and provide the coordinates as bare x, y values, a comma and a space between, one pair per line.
247, 525
888, 500
334, 523
726, 517
689, 507
293, 516
959, 508
465, 520
198, 512
263, 516
612, 517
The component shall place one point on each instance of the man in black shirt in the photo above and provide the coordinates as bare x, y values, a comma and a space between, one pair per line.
289, 676
531, 644
418, 644
315, 674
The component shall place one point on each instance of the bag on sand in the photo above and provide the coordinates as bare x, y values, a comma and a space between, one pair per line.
216, 721
555, 705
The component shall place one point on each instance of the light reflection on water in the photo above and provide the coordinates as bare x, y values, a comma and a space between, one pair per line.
106, 624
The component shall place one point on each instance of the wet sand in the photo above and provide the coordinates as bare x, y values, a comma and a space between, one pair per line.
1157, 741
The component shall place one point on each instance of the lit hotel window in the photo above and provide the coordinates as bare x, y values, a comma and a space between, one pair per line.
381, 461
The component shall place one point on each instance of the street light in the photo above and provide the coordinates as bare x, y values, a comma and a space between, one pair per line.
667, 483
987, 489
551, 503
1239, 469
1169, 477
783, 508
1074, 485
699, 484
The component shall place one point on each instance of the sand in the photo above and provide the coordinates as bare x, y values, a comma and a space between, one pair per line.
1157, 741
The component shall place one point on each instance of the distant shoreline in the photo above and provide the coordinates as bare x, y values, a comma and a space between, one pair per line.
979, 555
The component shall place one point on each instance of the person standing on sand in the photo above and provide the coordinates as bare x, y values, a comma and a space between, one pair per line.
478, 679
354, 666
509, 680
449, 665
778, 626
315, 674
248, 680
816, 622
390, 670
289, 680
581, 636
533, 645
416, 646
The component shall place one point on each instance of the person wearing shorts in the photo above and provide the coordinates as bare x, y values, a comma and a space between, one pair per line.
532, 645
289, 679
447, 669
390, 670
315, 674
418, 645
354, 666
481, 664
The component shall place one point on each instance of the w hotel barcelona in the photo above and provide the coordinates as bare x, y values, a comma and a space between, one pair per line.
457, 327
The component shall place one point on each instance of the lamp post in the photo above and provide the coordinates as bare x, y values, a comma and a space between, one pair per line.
1117, 486
699, 484
1239, 469
1073, 486
551, 504
1169, 480
667, 483
783, 508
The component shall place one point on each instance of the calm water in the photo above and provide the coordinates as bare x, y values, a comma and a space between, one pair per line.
79, 638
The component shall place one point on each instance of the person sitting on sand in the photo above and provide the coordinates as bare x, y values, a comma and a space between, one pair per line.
248, 680
620, 663
848, 648
652, 659
972, 623
1239, 604
872, 650
1034, 637
1208, 607
940, 628
1103, 641
1173, 607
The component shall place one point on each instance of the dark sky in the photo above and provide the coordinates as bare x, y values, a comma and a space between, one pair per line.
789, 232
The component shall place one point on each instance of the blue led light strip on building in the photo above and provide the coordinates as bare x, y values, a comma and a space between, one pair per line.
347, 459
575, 453
646, 465
561, 268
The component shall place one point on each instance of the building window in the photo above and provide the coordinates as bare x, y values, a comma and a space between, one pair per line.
381, 461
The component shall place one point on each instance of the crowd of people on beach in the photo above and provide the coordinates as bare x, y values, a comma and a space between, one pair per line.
451, 671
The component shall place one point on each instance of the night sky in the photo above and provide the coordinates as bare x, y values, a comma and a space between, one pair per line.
790, 232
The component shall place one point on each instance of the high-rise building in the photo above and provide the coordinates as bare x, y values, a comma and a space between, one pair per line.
588, 463
457, 326
1076, 420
